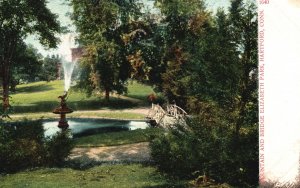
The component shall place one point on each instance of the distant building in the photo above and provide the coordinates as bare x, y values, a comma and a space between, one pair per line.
76, 53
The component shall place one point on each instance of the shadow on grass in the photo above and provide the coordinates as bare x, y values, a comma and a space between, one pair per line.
119, 137
35, 88
169, 184
138, 96
48, 106
85, 163
165, 180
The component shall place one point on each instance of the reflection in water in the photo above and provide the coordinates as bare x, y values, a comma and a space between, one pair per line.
85, 126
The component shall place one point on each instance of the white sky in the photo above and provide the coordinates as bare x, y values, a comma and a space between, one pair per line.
61, 9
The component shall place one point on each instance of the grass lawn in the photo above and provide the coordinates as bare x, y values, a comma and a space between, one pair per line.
118, 138
42, 97
133, 175
139, 91
33, 100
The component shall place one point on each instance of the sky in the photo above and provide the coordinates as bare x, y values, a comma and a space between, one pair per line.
61, 9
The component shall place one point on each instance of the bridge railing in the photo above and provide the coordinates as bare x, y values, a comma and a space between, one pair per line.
176, 111
160, 113
157, 113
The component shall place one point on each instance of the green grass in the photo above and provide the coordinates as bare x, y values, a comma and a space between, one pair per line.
139, 91
134, 175
42, 97
32, 100
118, 138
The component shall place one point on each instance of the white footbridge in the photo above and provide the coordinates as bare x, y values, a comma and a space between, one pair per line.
173, 114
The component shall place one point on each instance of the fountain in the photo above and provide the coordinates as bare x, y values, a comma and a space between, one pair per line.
68, 60
63, 109
69, 53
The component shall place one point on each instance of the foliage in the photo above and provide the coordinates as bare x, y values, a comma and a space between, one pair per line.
215, 78
142, 43
243, 17
29, 68
179, 46
200, 149
50, 70
59, 148
23, 145
100, 24
19, 18
210, 71
207, 60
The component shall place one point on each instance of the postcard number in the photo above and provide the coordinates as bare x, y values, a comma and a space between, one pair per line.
263, 2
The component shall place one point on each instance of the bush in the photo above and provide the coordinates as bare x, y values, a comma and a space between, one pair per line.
198, 149
20, 145
23, 145
59, 148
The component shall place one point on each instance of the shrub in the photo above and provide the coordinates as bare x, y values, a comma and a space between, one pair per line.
23, 145
58, 148
20, 145
199, 149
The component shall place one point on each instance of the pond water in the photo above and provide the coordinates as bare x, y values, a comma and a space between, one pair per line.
87, 126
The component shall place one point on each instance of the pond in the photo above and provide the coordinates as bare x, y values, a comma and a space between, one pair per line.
87, 126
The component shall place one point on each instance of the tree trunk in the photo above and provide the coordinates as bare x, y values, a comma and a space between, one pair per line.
5, 87
107, 94
5, 100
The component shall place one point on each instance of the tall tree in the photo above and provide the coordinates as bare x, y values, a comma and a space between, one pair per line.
211, 70
243, 16
214, 72
29, 65
18, 18
50, 69
183, 29
143, 44
100, 25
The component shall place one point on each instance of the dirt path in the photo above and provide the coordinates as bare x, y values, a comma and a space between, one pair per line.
140, 110
129, 152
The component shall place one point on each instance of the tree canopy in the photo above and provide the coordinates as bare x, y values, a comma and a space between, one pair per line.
194, 57
100, 25
18, 18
